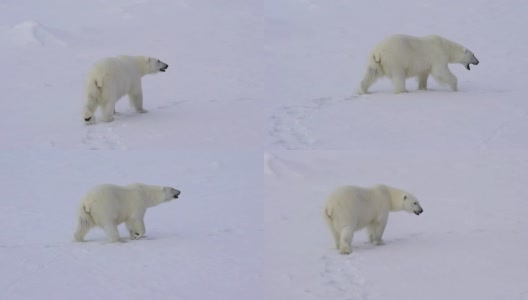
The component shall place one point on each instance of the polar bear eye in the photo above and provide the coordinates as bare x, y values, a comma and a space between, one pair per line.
414, 203
404, 197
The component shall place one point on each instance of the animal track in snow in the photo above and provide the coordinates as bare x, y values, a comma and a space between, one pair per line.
343, 279
101, 136
287, 124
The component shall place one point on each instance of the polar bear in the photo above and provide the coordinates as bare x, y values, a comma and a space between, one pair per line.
113, 77
352, 208
109, 205
402, 56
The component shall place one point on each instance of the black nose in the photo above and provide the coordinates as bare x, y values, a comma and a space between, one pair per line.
87, 119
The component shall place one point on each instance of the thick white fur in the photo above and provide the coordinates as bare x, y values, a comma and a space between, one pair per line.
113, 77
352, 208
402, 56
109, 205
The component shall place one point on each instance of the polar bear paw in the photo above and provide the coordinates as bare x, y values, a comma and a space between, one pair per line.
135, 236
345, 249
360, 91
377, 242
78, 239
89, 120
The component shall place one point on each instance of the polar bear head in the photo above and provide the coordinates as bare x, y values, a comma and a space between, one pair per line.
469, 58
155, 65
170, 193
402, 200
411, 204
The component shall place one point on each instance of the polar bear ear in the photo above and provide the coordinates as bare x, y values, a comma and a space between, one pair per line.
148, 59
404, 197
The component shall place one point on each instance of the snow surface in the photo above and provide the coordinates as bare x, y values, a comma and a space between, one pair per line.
257, 120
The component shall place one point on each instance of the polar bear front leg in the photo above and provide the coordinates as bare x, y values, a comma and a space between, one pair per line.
130, 225
136, 100
136, 225
375, 231
422, 81
371, 228
444, 76
136, 229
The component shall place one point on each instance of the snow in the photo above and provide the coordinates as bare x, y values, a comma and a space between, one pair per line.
256, 121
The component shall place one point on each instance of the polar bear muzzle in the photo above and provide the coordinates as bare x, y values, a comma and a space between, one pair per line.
467, 66
473, 61
164, 67
176, 194
418, 211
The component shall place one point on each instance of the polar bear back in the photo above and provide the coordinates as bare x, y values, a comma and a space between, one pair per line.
108, 72
117, 203
358, 205
417, 54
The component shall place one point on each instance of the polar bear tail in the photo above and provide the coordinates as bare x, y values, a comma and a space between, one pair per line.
84, 215
328, 217
375, 64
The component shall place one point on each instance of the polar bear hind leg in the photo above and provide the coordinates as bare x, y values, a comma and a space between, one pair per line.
398, 80
89, 110
81, 231
83, 226
371, 76
345, 242
111, 232
335, 234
